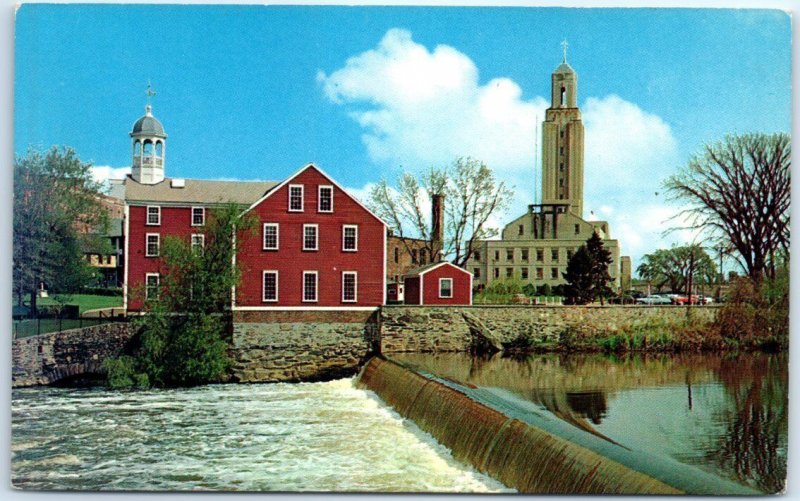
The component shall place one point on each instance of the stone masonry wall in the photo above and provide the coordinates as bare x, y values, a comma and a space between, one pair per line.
47, 358
301, 345
437, 329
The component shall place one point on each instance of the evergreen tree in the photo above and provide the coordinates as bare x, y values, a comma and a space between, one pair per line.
587, 273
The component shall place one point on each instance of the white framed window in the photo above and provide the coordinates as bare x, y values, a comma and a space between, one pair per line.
271, 236
325, 199
350, 238
270, 286
445, 287
152, 245
198, 242
153, 215
198, 216
151, 282
295, 198
310, 237
349, 286
310, 286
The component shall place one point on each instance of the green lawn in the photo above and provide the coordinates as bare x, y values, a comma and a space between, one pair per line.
86, 301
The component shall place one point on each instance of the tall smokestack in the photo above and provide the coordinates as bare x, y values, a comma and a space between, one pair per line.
437, 227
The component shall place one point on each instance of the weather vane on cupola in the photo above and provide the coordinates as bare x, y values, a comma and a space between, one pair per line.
150, 93
564, 46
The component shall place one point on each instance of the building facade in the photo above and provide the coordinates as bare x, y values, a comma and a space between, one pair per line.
536, 246
317, 246
441, 283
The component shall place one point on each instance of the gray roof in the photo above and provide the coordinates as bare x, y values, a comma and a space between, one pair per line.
148, 125
564, 68
198, 191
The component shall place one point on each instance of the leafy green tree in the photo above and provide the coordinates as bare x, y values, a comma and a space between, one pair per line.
674, 266
55, 198
587, 273
182, 340
472, 196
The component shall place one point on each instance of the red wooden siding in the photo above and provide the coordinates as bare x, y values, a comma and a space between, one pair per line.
175, 221
329, 261
462, 285
411, 290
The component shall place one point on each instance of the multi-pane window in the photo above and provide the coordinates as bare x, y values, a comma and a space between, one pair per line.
445, 287
476, 272
350, 240
325, 199
310, 286
151, 286
270, 291
153, 215
524, 254
539, 255
554, 255
509, 272
509, 254
198, 216
349, 286
553, 272
525, 273
295, 198
152, 245
540, 273
270, 236
310, 237
198, 242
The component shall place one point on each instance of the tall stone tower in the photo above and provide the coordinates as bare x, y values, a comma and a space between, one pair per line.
562, 142
149, 147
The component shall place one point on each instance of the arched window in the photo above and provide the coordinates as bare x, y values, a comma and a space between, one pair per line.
148, 148
137, 148
563, 96
159, 148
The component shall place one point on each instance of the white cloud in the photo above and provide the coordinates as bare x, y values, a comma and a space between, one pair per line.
102, 173
419, 107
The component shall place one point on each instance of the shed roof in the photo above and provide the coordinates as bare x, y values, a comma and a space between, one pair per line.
199, 191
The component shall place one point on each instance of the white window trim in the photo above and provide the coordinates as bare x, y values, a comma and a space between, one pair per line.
302, 197
202, 240
319, 198
316, 286
441, 280
264, 289
316, 238
204, 216
147, 215
147, 287
344, 227
147, 244
355, 287
277, 236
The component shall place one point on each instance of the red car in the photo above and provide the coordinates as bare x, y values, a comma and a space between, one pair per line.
683, 300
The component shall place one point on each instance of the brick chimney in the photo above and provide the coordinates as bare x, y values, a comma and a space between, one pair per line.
437, 227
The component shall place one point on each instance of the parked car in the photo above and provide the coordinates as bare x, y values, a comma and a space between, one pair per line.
653, 300
684, 299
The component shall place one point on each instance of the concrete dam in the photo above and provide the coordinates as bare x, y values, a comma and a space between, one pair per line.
525, 447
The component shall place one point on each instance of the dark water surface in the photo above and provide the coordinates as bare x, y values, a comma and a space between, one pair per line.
725, 414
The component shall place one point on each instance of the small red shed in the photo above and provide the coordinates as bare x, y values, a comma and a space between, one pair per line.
438, 283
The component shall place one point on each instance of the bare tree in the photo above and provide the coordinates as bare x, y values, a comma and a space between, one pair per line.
472, 195
738, 190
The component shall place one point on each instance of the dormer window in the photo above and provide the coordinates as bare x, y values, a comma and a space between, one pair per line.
153, 215
325, 199
295, 198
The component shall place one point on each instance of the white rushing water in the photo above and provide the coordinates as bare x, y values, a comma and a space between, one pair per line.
271, 437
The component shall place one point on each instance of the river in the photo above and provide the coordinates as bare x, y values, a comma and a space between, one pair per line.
270, 437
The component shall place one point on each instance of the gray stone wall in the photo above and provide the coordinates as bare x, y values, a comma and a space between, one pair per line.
48, 358
301, 346
444, 328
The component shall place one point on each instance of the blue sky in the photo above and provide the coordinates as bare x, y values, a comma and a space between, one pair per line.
254, 92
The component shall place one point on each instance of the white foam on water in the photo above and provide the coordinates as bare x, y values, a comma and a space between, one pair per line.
274, 437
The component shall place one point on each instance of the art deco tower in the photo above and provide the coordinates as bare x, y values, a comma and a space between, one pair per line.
562, 142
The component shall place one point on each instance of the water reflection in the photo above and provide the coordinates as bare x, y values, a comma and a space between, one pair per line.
726, 414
